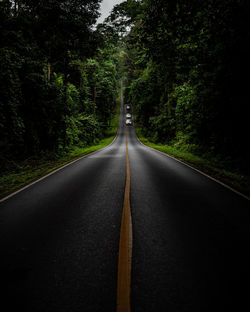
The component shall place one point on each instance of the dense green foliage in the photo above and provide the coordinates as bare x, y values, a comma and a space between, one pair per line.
186, 65
58, 77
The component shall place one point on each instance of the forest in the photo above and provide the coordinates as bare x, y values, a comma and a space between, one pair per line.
185, 66
58, 77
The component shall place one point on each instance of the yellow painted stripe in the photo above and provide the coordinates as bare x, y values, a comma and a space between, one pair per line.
125, 248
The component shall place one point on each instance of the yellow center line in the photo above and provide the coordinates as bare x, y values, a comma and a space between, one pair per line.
125, 248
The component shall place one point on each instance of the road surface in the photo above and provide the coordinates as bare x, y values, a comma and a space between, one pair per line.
59, 238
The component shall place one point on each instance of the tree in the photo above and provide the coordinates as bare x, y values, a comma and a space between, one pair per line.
185, 64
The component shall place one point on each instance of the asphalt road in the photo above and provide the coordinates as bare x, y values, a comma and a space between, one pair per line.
59, 238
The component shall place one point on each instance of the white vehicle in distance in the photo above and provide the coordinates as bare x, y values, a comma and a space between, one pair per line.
128, 122
128, 115
128, 107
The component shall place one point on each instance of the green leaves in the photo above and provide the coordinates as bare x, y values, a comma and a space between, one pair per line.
56, 83
186, 65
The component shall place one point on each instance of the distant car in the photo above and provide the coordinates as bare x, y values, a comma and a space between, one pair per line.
128, 122
128, 115
128, 107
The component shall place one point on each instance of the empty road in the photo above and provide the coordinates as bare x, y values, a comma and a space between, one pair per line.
59, 238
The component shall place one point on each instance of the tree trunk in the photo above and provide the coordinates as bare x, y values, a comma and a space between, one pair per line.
48, 72
94, 99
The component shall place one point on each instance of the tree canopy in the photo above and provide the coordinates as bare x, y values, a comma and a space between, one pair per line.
186, 64
58, 78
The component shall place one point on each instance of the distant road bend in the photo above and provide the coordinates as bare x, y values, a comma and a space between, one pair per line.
125, 228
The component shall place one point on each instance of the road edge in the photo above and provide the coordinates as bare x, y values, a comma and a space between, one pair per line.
54, 171
197, 170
